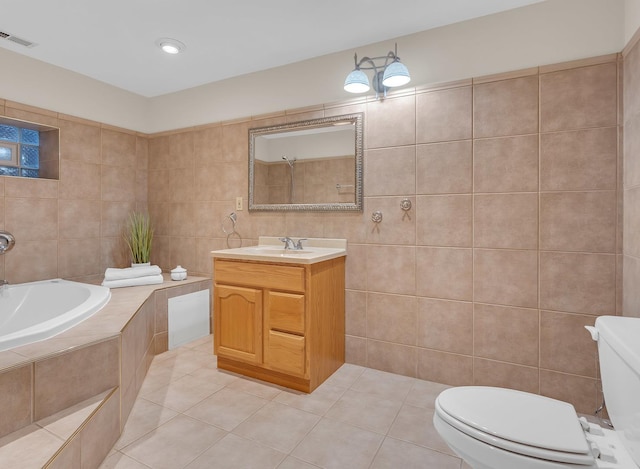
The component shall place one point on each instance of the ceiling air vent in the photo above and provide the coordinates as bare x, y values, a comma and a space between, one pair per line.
16, 39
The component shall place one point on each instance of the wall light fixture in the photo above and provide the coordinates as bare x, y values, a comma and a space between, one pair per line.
387, 74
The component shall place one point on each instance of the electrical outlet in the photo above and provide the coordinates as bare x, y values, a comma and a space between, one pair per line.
238, 203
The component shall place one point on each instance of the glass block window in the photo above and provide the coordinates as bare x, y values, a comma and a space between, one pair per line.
19, 151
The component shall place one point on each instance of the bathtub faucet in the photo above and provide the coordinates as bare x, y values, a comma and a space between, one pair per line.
4, 284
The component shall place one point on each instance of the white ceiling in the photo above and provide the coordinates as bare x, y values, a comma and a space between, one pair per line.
114, 41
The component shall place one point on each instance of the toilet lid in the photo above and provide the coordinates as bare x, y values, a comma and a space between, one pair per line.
524, 418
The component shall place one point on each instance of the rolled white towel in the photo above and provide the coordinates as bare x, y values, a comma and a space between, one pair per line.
131, 272
132, 282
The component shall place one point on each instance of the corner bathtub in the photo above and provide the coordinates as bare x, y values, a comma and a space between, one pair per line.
30, 312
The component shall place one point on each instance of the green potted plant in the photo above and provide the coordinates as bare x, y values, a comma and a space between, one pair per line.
139, 236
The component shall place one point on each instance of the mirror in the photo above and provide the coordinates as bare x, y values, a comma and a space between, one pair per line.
312, 165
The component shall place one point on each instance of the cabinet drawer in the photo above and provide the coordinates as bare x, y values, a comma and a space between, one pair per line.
285, 311
285, 352
280, 277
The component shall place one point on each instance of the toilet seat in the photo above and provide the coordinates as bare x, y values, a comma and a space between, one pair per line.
526, 424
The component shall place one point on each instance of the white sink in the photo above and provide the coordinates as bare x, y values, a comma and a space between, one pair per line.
271, 249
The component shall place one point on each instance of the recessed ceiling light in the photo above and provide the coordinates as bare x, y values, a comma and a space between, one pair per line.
170, 46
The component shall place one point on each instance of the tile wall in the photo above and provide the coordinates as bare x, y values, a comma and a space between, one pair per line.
71, 227
631, 185
512, 245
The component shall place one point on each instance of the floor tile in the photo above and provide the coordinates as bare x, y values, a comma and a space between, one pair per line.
174, 444
415, 425
383, 384
346, 375
30, 446
294, 463
256, 387
183, 393
365, 411
215, 376
237, 452
337, 445
423, 394
317, 402
396, 453
144, 417
119, 460
278, 426
227, 408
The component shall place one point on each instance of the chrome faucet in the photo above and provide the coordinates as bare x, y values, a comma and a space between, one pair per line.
291, 244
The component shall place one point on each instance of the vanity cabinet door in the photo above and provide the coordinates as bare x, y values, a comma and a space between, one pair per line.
284, 341
238, 320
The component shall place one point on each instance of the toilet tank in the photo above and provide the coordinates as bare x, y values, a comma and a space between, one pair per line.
619, 355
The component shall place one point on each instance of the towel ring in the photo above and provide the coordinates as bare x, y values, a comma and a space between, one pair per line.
233, 218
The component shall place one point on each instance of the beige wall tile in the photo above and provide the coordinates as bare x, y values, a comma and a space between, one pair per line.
101, 432
507, 334
397, 227
444, 168
443, 115
32, 260
207, 146
392, 318
79, 142
506, 164
579, 98
578, 221
391, 269
630, 282
577, 390
356, 313
507, 107
445, 325
579, 160
631, 82
181, 183
631, 151
115, 216
506, 277
631, 222
506, 221
355, 350
31, 219
565, 345
16, 387
392, 357
183, 252
79, 180
77, 257
235, 142
390, 171
78, 219
444, 220
401, 111
30, 188
505, 375
356, 267
75, 376
445, 368
118, 148
118, 183
142, 153
577, 282
444, 273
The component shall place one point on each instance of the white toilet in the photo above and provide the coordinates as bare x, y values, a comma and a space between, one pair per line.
495, 428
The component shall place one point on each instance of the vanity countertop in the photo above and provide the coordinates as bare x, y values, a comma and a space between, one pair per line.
271, 249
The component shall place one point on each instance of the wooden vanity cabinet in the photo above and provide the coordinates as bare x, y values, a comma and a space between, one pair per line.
282, 323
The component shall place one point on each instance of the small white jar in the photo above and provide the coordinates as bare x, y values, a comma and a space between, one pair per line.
179, 273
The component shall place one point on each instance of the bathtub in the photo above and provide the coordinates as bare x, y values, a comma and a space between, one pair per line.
35, 311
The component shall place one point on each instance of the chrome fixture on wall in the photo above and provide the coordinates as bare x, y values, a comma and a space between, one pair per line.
7, 241
387, 74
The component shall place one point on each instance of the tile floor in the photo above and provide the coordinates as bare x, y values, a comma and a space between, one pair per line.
191, 415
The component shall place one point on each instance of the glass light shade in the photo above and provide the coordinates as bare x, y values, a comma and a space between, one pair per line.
396, 74
170, 48
357, 82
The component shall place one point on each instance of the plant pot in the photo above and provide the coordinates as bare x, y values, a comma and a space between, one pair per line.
143, 264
